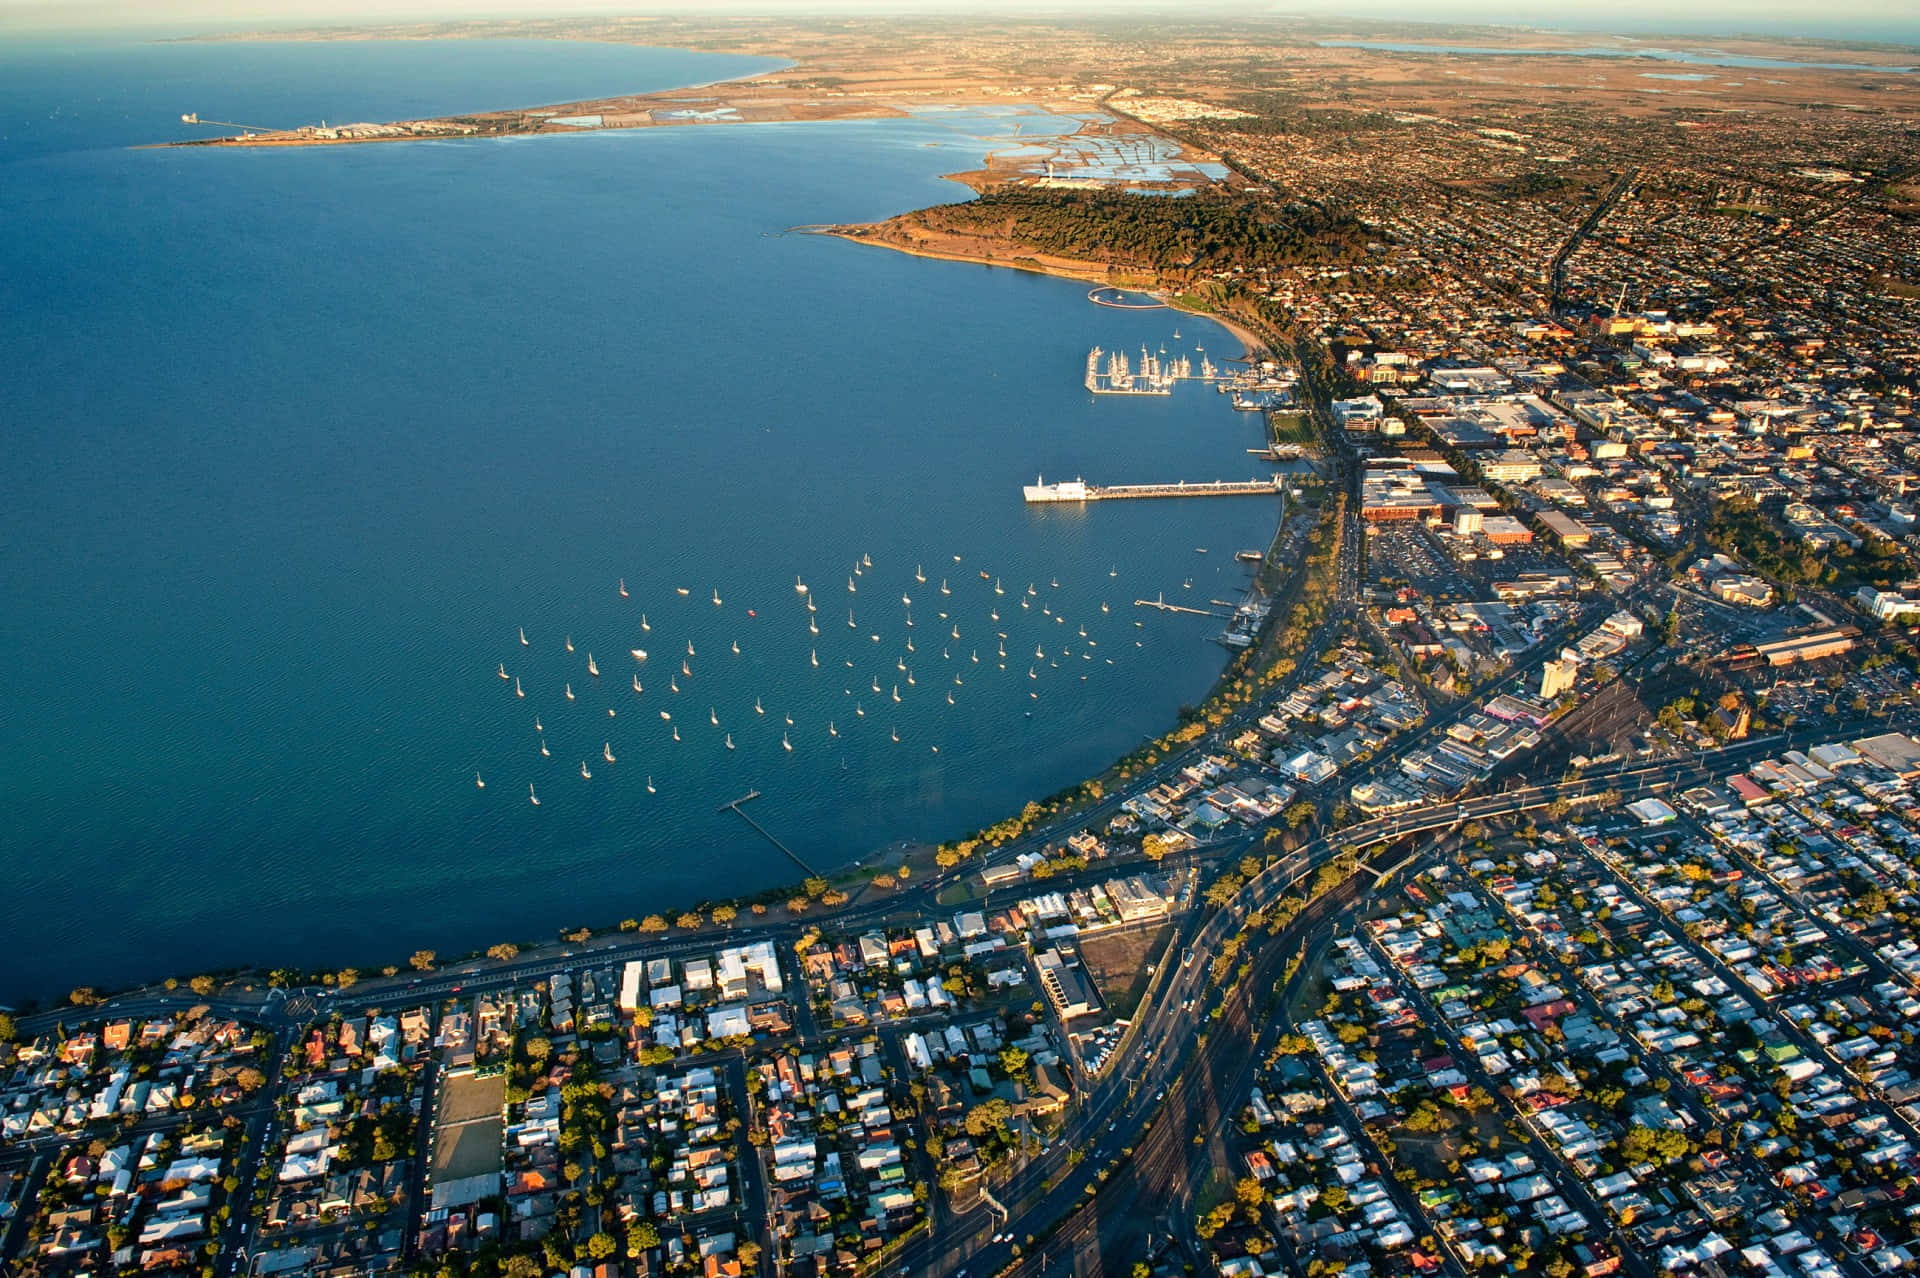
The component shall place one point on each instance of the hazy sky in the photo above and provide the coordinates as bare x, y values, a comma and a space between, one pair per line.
1893, 19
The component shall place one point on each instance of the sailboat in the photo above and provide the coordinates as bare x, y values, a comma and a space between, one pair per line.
650, 789
831, 730
1113, 572
909, 644
784, 743
639, 654
906, 601
813, 627
713, 716
531, 796
976, 656
857, 710
478, 784
850, 621
591, 668
569, 643
643, 623
866, 561
876, 683
895, 734
799, 586
789, 721
676, 732
584, 774
673, 683
536, 724
1103, 606
690, 648
813, 656
569, 692
943, 587
623, 587
1031, 590
503, 671
664, 714
544, 752
851, 588
523, 636
716, 598
736, 647
997, 589
910, 678
918, 575
686, 669
682, 590
756, 706
636, 684
949, 698
896, 692
606, 751
729, 741
518, 691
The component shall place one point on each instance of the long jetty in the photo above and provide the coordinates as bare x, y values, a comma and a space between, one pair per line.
1044, 493
764, 833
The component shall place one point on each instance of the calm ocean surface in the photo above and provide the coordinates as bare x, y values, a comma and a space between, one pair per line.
296, 441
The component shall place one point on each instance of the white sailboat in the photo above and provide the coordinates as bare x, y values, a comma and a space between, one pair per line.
531, 796
503, 671
518, 691
643, 623
799, 586
478, 784
623, 587
756, 706
544, 752
650, 789
813, 656
591, 668
523, 636
639, 654
918, 575
784, 743
584, 774
716, 598
729, 741
606, 751
569, 692
569, 643
636, 684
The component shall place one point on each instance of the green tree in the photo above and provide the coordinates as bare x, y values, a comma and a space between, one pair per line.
601, 1245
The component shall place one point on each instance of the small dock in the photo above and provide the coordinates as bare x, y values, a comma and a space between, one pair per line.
741, 812
1080, 491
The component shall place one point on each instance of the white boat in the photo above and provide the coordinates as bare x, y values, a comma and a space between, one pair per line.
478, 784
584, 774
813, 656
976, 656
713, 716
716, 598
910, 678
686, 669
756, 706
606, 751
896, 692
1113, 572
664, 714
650, 789
784, 743
918, 575
895, 734
536, 724
636, 684
1031, 590
1056, 583
949, 698
943, 587
813, 627
909, 644
611, 712
851, 588
544, 752
682, 590
997, 589
799, 586
729, 741
643, 623
531, 796
906, 601
789, 721
673, 683
503, 671
857, 710
850, 621
900, 664
866, 561
591, 668
569, 643
1031, 674
518, 691
876, 683
623, 587
569, 692
811, 605
639, 654
831, 730
676, 732
736, 647
1103, 606
523, 636
690, 648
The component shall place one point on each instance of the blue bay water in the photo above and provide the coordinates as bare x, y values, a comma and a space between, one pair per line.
298, 440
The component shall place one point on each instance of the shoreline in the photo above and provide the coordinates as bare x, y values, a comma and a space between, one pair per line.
1251, 345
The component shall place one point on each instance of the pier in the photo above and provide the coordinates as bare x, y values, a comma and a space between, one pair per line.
739, 811
1162, 605
1076, 490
